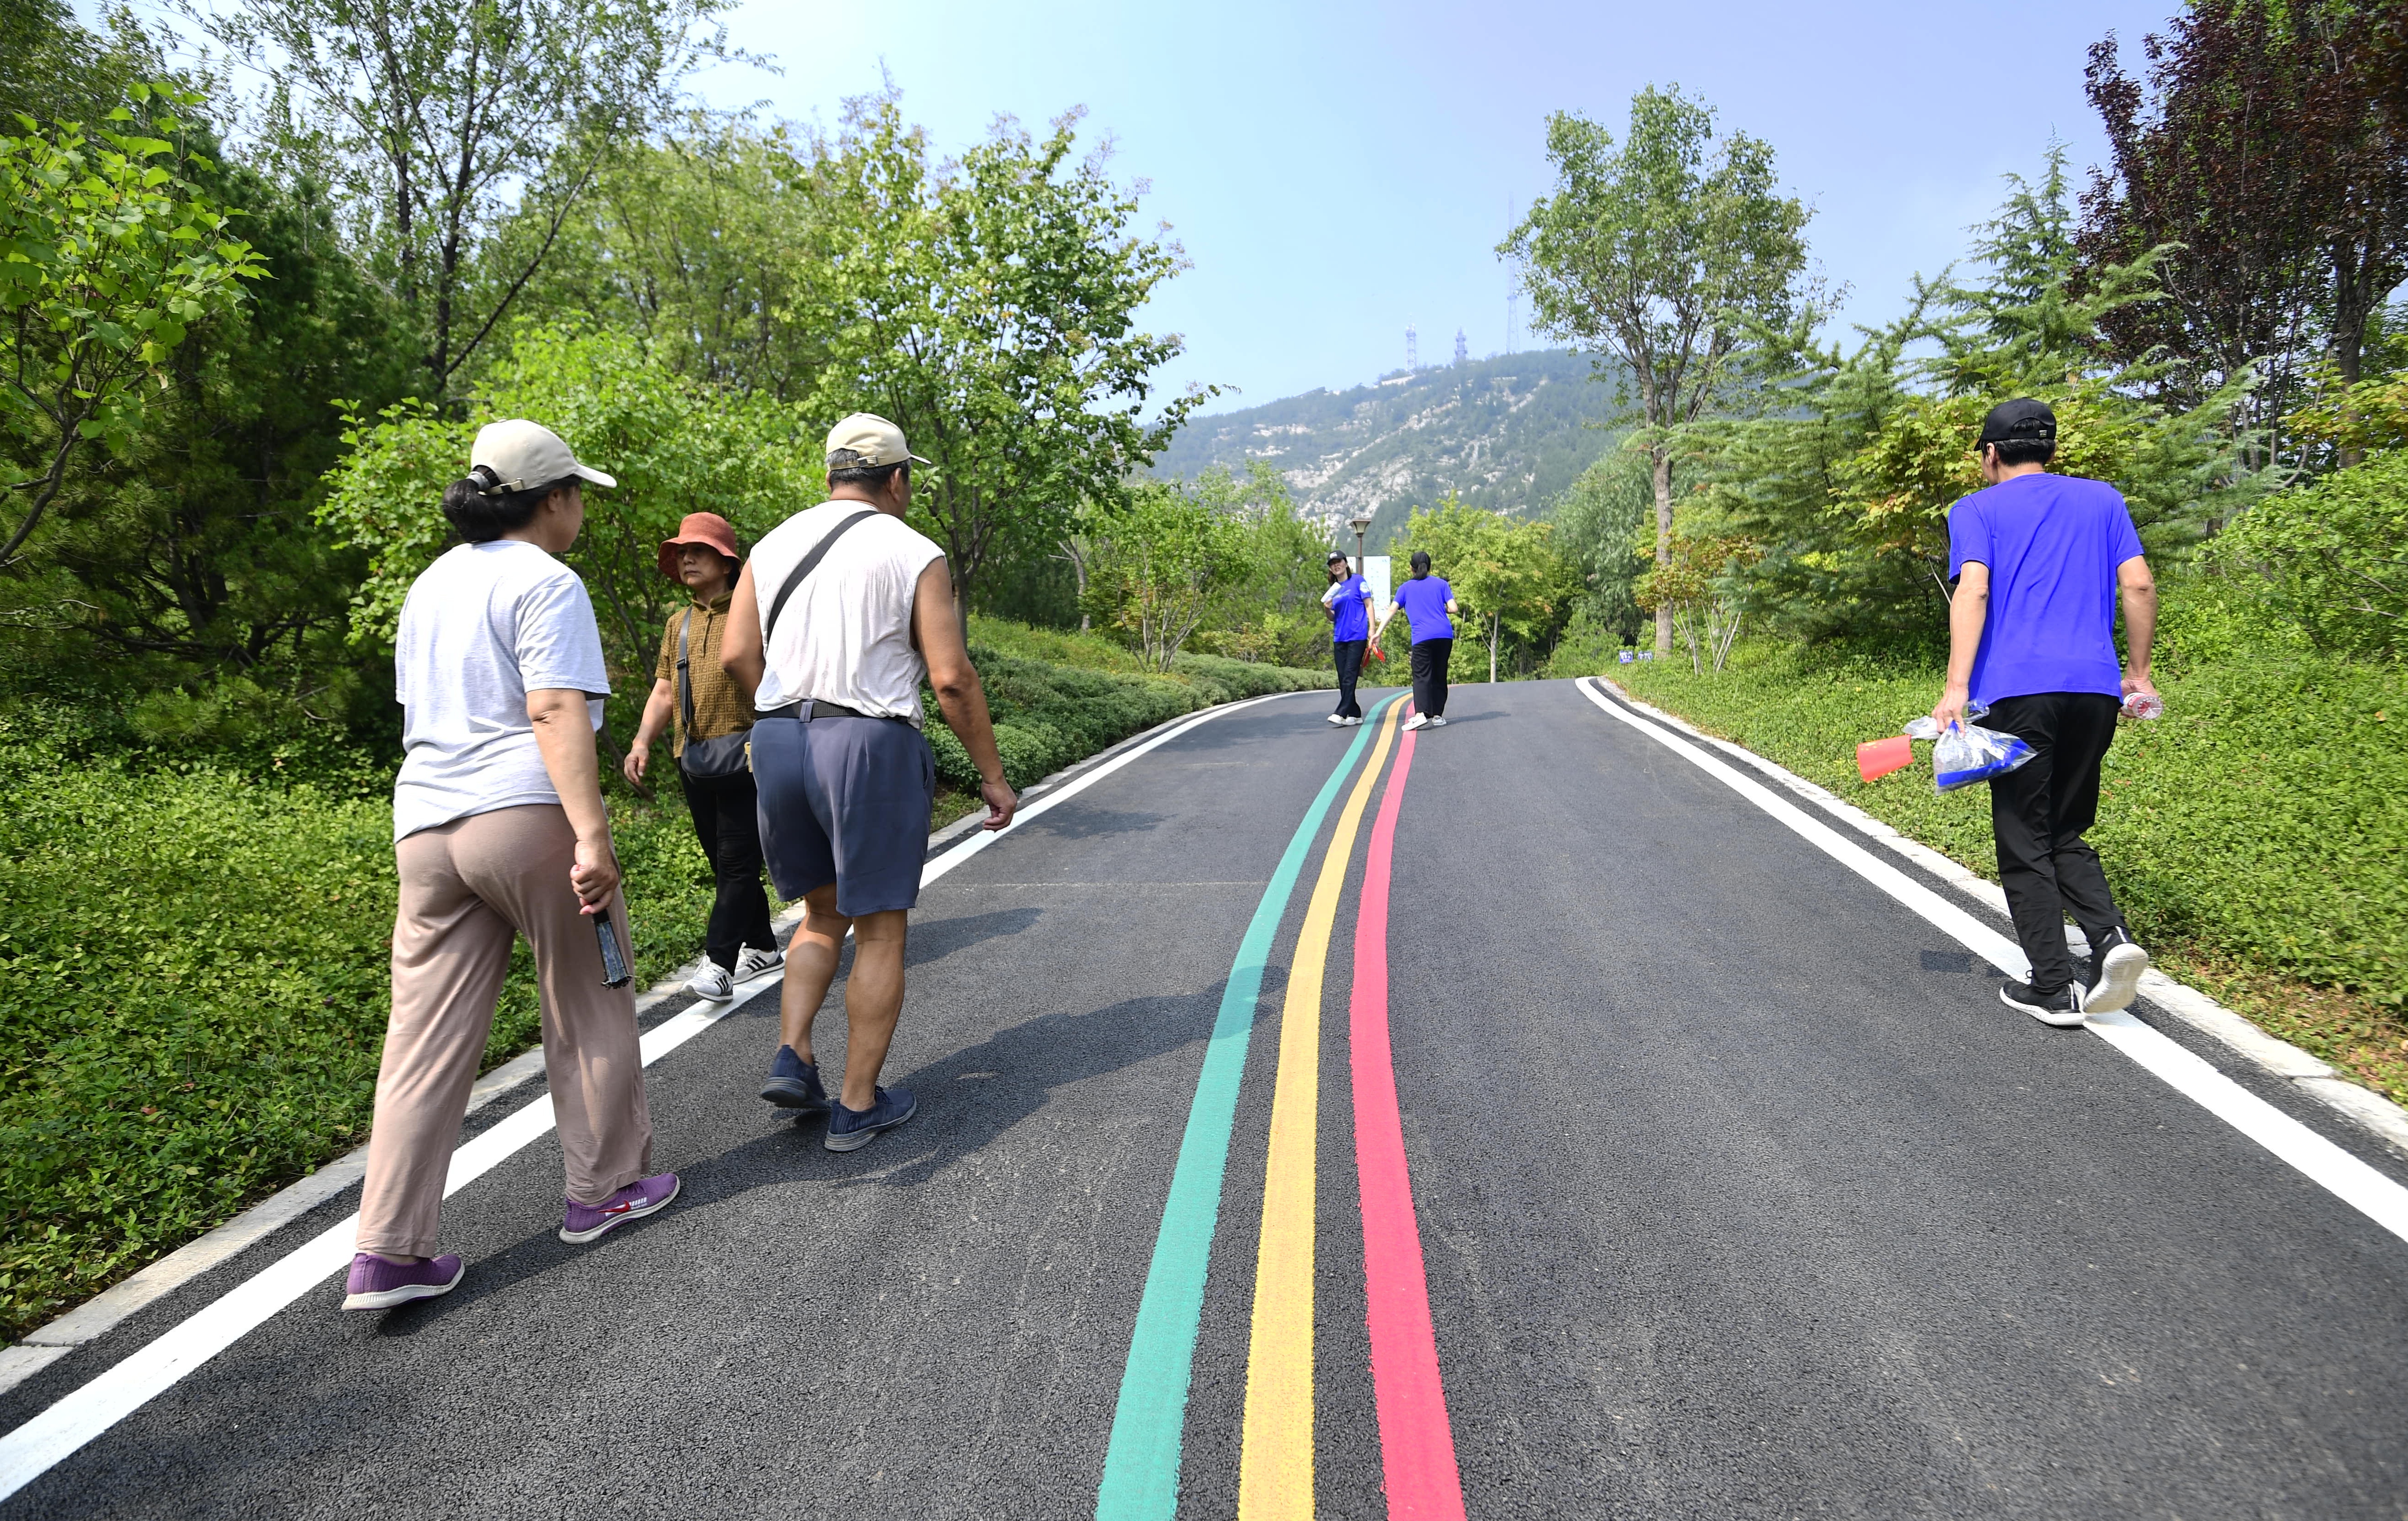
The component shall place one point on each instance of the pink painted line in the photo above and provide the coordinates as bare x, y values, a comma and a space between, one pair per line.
1416, 1442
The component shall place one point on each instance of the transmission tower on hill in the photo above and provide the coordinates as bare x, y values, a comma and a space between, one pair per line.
1412, 349
1460, 351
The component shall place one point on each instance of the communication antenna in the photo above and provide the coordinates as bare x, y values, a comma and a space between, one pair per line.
1412, 349
1460, 351
1513, 295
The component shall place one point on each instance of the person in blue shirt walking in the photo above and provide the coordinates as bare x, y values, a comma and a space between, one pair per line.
2038, 562
1425, 600
1349, 604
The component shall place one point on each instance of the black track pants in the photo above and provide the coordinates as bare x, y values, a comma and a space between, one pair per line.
1350, 670
724, 809
2038, 813
1429, 676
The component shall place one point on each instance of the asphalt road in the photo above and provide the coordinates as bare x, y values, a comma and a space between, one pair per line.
1739, 1193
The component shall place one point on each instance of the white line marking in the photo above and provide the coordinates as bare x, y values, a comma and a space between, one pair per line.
2322, 1162
41, 1444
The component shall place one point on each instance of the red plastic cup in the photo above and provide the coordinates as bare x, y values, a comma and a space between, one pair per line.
1878, 758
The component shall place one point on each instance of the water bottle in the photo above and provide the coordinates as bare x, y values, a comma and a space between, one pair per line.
2144, 706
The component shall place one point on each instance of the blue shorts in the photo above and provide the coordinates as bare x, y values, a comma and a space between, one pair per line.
845, 800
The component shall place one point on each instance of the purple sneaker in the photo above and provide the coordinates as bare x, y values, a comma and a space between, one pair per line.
381, 1282
633, 1203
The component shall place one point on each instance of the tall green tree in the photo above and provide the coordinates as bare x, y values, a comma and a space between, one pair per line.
1509, 577
2267, 144
194, 557
701, 243
675, 445
1160, 566
431, 116
990, 309
113, 256
1674, 254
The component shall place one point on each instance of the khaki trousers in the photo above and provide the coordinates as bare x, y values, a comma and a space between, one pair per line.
468, 888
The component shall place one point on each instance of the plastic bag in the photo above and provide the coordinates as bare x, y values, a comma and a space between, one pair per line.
1968, 754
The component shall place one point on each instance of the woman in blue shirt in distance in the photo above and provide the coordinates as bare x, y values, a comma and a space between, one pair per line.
1349, 603
1426, 601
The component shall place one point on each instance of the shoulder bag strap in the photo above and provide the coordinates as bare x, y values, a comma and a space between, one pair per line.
810, 562
685, 682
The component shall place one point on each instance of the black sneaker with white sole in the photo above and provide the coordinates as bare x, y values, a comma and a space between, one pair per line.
2115, 970
2062, 1008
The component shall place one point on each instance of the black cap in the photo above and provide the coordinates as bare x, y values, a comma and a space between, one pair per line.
1336, 555
2020, 420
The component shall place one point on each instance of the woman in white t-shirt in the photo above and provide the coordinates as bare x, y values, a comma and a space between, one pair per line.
500, 830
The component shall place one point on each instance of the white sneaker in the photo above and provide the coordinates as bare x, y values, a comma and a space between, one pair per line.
1355, 723
1439, 722
1338, 720
1418, 721
752, 962
2119, 977
713, 983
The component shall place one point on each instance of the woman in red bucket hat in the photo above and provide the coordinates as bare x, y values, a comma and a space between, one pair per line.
708, 720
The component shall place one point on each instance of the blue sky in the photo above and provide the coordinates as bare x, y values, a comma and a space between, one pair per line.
1335, 171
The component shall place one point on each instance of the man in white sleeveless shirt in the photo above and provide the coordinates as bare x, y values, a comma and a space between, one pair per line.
842, 612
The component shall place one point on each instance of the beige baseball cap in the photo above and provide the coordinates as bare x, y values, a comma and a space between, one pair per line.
864, 441
525, 455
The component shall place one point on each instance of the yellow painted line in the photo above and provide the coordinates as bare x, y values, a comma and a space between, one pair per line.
1275, 1466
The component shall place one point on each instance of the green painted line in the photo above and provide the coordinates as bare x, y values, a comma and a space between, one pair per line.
1141, 1465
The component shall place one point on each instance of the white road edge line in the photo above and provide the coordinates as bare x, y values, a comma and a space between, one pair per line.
34, 1448
2320, 1160
2308, 1074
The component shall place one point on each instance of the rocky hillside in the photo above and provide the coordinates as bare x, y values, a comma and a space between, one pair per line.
1510, 433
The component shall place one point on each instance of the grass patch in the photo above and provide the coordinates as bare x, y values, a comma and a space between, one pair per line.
194, 957
2254, 835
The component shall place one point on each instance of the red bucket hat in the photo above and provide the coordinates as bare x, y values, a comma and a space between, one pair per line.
707, 529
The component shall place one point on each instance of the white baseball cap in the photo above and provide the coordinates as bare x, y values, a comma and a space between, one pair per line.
524, 456
865, 441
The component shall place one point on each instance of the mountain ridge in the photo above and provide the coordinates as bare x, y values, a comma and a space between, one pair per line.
1511, 433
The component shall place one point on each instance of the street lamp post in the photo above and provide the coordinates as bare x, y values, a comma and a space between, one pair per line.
1359, 524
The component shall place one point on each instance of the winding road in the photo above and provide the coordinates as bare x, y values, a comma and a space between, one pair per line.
1535, 1117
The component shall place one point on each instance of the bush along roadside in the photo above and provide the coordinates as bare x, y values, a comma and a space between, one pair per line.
193, 955
2253, 833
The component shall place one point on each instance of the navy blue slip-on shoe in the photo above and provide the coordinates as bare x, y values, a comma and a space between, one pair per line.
795, 1083
850, 1129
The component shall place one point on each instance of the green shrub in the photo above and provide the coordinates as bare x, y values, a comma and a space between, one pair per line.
2332, 557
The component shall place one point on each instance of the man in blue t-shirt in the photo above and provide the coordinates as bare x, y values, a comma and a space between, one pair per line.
1349, 604
2038, 562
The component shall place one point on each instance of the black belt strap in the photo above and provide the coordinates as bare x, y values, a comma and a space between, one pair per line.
811, 708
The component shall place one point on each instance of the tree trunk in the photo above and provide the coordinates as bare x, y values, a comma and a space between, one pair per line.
1660, 457
1492, 649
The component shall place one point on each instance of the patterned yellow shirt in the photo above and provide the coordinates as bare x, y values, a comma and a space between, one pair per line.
719, 708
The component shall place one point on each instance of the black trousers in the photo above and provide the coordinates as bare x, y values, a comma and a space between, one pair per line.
724, 809
1350, 670
1429, 676
2038, 813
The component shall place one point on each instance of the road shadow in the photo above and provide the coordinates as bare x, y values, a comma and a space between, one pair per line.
933, 940
1093, 823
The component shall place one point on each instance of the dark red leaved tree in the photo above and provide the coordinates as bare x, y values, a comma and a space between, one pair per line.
2268, 141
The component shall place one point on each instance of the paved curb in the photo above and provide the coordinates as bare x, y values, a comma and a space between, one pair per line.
101, 1313
2277, 1058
